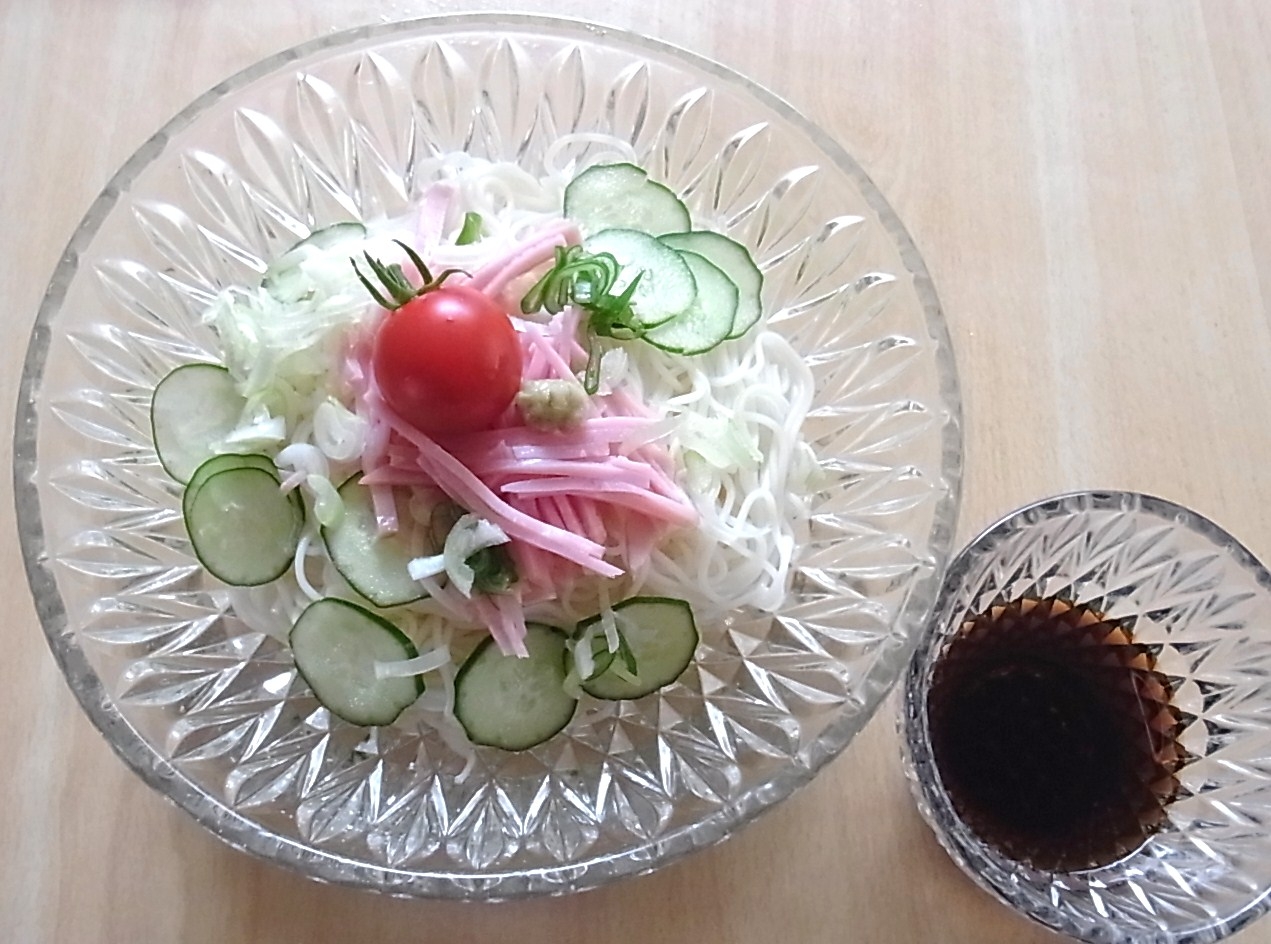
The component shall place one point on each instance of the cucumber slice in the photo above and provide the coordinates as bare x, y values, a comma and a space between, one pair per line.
621, 196
374, 565
244, 530
662, 636
735, 261
328, 237
336, 645
666, 287
223, 463
511, 703
708, 321
283, 280
192, 410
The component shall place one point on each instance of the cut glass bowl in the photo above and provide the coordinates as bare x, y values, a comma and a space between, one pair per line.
214, 716
1196, 596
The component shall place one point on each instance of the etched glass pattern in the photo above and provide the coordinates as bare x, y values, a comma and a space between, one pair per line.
1200, 599
214, 716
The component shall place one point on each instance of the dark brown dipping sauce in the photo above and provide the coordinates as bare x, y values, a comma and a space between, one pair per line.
1054, 734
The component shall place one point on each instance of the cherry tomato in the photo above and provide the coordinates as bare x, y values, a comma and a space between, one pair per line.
448, 360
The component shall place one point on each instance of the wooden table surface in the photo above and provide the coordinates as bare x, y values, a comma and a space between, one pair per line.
1088, 182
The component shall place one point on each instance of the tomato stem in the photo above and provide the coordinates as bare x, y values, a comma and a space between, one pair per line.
394, 281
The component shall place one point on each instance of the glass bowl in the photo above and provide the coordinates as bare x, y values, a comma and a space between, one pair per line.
1203, 603
214, 716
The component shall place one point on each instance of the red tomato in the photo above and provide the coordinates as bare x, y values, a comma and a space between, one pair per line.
448, 361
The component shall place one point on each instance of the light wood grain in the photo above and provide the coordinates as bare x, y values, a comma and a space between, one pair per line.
1088, 184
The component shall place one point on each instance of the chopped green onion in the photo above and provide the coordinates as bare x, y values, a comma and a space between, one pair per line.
580, 278
493, 569
626, 655
470, 232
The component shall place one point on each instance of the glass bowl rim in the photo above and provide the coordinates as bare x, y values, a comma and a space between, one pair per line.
246, 835
934, 803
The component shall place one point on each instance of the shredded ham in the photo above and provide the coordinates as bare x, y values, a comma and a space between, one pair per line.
494, 276
648, 503
468, 491
430, 224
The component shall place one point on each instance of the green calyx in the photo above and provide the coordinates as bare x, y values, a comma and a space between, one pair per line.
395, 289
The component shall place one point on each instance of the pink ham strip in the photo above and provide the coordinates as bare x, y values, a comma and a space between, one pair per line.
641, 539
373, 453
628, 404
541, 568
431, 221
464, 487
560, 451
568, 514
547, 512
566, 339
593, 525
618, 493
385, 506
534, 366
659, 481
528, 559
601, 430
367, 403
610, 468
391, 475
504, 615
494, 276
551, 365
449, 599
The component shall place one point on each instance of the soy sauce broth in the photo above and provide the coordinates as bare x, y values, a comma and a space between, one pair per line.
1054, 733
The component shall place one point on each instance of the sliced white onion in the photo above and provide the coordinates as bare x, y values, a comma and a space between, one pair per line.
469, 535
584, 661
338, 432
328, 506
303, 457
298, 565
614, 368
421, 568
608, 620
261, 432
428, 661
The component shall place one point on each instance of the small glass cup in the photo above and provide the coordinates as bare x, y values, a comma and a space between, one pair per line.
1199, 600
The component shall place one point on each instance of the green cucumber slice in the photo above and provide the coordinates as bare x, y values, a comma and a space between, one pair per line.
243, 529
735, 261
328, 237
621, 196
666, 287
374, 565
336, 645
708, 321
283, 278
662, 636
511, 703
223, 463
192, 410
